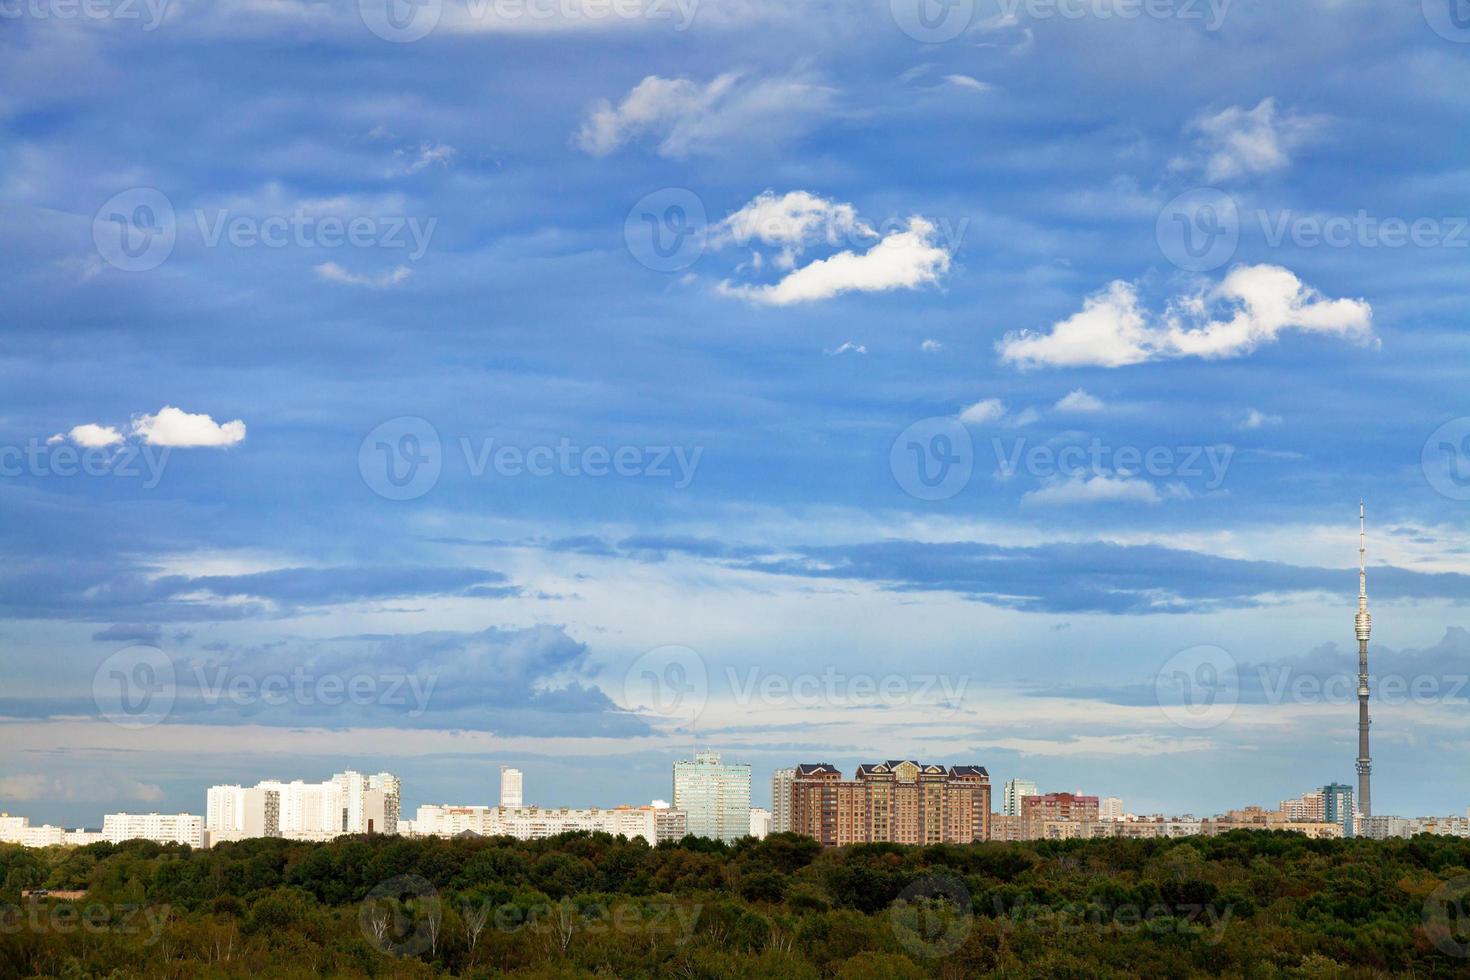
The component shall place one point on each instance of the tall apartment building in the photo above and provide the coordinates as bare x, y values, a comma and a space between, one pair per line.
1111, 808
164, 828
1309, 806
902, 801
348, 803
1337, 806
1015, 790
510, 787
1038, 810
714, 797
781, 800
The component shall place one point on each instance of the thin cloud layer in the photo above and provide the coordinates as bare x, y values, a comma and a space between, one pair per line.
1252, 306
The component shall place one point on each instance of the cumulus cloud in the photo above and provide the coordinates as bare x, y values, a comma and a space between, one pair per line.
332, 272
1238, 142
793, 221
1252, 306
683, 117
1094, 489
904, 259
92, 436
177, 428
1079, 401
931, 346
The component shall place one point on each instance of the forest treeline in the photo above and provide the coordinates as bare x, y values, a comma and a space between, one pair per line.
1246, 904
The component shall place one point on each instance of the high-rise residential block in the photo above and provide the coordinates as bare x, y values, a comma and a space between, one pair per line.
902, 801
163, 828
1015, 789
510, 787
714, 796
781, 781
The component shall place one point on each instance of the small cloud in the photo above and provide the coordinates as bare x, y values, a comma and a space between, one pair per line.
422, 157
1238, 142
92, 436
1079, 401
1096, 489
1255, 419
966, 82
989, 410
56, 439
931, 346
849, 348
332, 272
176, 428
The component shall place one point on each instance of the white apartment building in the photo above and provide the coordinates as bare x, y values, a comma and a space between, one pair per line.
18, 830
652, 823
781, 781
510, 787
348, 803
760, 823
714, 797
1015, 791
1110, 808
163, 828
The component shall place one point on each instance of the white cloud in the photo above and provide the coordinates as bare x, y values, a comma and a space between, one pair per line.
966, 82
931, 346
795, 221
1095, 489
989, 410
422, 157
904, 259
1258, 303
179, 429
684, 117
56, 439
93, 436
1237, 142
1079, 401
332, 272
1256, 419
850, 348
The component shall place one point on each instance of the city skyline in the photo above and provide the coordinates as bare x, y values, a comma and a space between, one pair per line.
808, 381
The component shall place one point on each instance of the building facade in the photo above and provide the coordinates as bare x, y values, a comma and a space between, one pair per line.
1015, 790
781, 800
1337, 806
1037, 809
714, 796
901, 801
162, 828
511, 783
651, 823
760, 823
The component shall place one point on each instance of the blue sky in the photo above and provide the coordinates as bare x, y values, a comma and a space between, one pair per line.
932, 385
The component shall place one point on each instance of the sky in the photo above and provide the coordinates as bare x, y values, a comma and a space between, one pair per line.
430, 387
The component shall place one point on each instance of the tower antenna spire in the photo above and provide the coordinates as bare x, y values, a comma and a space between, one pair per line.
1363, 624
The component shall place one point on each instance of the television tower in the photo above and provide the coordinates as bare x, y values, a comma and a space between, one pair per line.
1364, 624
